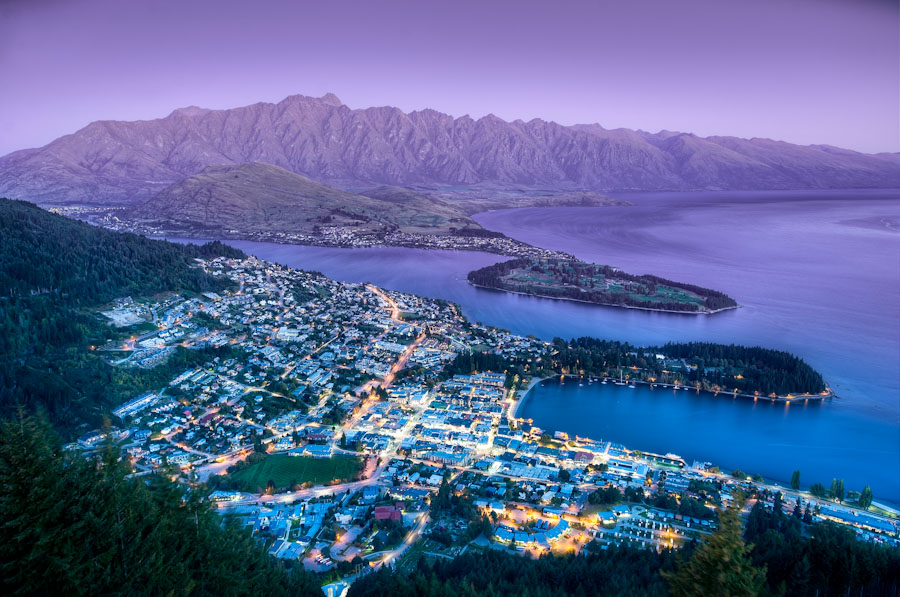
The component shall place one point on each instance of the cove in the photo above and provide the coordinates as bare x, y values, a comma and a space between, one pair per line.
757, 437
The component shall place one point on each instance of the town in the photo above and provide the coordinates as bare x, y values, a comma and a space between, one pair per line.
338, 424
324, 235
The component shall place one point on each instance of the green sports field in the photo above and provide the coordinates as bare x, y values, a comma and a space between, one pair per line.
286, 471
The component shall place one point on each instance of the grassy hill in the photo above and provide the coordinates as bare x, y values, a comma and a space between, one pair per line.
259, 197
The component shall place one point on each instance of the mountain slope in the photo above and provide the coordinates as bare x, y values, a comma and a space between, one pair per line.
96, 530
258, 197
54, 274
109, 162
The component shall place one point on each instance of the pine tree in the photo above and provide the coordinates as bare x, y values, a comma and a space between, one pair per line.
800, 577
721, 565
441, 501
866, 497
837, 489
817, 489
78, 526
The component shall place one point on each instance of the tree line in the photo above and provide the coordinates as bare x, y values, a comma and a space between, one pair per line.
711, 366
617, 571
723, 366
772, 555
803, 558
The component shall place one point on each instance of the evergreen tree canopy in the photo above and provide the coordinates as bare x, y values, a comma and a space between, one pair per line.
819, 559
72, 526
53, 271
617, 571
721, 565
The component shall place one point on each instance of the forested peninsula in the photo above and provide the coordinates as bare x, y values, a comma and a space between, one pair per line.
740, 370
575, 280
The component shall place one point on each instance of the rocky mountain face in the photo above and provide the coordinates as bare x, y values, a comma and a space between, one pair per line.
121, 163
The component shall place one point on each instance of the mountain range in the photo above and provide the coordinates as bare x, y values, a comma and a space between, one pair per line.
115, 163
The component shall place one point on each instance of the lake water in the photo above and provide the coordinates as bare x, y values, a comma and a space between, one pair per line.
817, 274
820, 439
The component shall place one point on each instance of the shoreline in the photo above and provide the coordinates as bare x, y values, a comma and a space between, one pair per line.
517, 249
491, 250
786, 399
431, 248
574, 300
521, 395
514, 411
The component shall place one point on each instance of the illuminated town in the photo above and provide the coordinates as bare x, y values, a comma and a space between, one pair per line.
334, 424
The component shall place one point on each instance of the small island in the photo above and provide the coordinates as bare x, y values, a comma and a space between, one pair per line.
567, 278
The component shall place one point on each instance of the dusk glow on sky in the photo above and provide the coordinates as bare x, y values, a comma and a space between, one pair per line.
803, 71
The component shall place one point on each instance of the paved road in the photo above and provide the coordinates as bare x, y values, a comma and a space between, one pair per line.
413, 536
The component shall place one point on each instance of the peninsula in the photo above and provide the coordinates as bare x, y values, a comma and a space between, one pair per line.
567, 278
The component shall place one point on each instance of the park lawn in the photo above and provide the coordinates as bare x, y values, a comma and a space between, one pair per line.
285, 471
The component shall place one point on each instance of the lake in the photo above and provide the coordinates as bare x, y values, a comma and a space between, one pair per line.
756, 437
817, 274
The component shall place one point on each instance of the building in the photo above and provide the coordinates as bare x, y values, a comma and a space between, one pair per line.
136, 405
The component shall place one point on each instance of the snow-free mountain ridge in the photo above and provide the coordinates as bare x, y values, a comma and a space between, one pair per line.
126, 163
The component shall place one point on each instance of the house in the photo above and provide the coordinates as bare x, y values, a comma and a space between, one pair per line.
621, 510
317, 450
179, 458
393, 513
369, 495
606, 517
407, 493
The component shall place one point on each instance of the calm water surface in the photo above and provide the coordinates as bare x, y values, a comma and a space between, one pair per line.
816, 273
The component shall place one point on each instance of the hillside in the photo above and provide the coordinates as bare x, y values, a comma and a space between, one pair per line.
54, 272
119, 163
46, 255
92, 530
258, 197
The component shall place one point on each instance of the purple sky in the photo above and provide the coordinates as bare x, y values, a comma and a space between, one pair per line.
805, 71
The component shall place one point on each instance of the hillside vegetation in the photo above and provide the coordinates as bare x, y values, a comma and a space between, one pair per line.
54, 273
260, 197
85, 529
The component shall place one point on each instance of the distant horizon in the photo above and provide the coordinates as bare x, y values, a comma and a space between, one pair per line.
808, 72
476, 117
